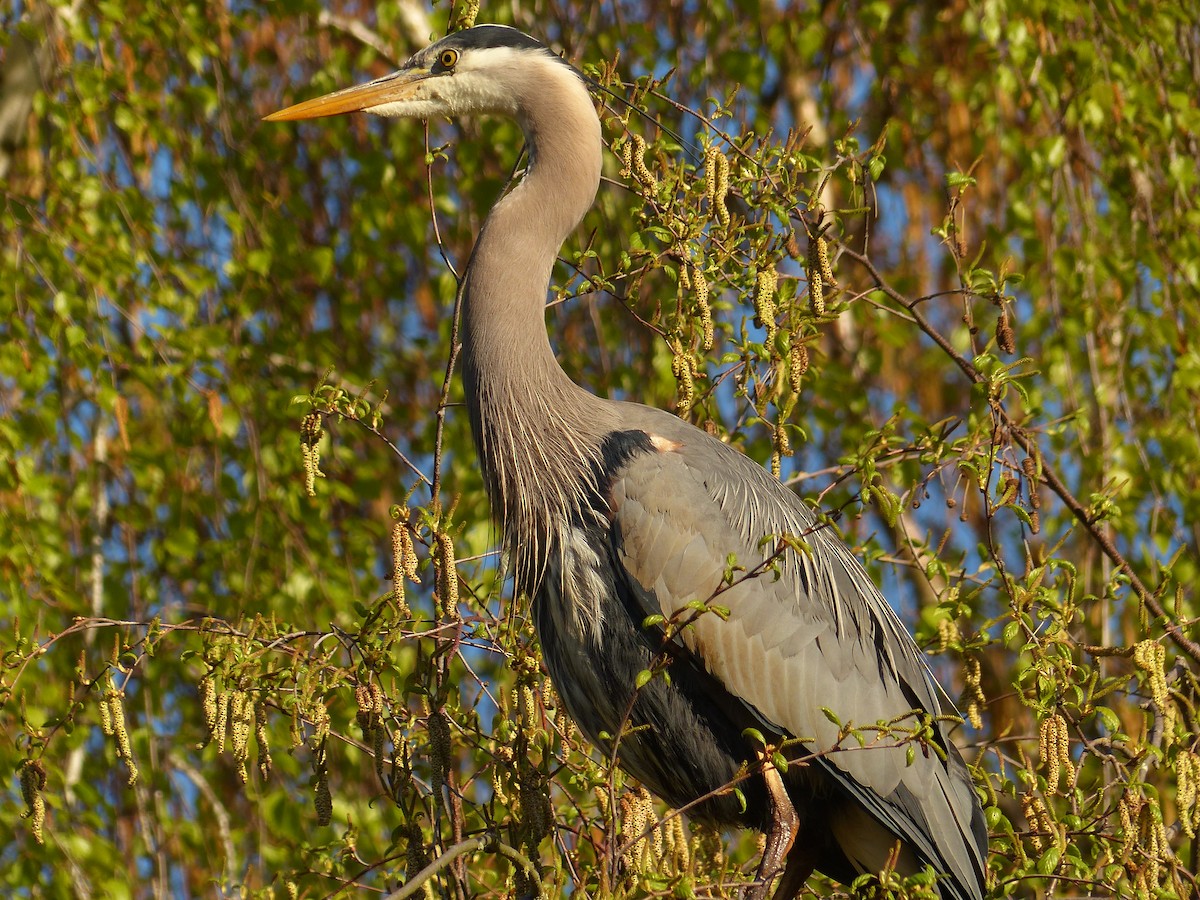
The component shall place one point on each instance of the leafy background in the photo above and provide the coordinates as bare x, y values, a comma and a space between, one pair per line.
216, 682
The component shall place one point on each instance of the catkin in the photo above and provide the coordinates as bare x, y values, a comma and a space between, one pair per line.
1187, 773
221, 724
1035, 814
1150, 656
365, 714
417, 858
447, 575
658, 841
797, 364
643, 174
677, 844
323, 797
440, 748
1008, 490
783, 444
1156, 844
536, 813
33, 782
310, 451
823, 267
261, 740
404, 554
239, 722
241, 725
470, 11
1054, 749
106, 722
700, 287
502, 774
716, 184
377, 699
972, 676
1064, 746
1005, 339
208, 702
1126, 808
637, 812
527, 707
948, 633
1030, 469
116, 708
399, 535
682, 367
377, 753
764, 301
816, 287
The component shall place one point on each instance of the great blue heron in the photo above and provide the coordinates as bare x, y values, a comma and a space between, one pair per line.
618, 516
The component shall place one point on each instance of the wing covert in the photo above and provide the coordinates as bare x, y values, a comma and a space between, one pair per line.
813, 632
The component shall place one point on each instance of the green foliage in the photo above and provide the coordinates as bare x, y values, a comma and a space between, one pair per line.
939, 269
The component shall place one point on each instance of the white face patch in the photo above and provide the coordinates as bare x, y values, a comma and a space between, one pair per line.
664, 445
484, 80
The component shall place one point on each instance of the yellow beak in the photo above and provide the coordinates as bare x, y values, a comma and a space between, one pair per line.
389, 89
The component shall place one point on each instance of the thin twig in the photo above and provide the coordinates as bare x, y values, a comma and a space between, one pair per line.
359, 31
471, 845
452, 357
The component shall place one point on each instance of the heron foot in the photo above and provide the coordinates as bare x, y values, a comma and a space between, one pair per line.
782, 828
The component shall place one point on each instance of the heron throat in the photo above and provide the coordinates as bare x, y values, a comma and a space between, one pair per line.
537, 433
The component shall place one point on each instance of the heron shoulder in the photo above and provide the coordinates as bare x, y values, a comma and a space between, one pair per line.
692, 512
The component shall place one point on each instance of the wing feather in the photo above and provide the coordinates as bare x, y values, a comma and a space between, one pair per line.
810, 634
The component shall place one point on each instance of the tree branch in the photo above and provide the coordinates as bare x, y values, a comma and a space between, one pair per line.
471, 845
1027, 442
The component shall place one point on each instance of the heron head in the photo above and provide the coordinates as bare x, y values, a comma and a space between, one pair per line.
484, 69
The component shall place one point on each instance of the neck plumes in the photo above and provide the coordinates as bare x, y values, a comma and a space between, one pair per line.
532, 425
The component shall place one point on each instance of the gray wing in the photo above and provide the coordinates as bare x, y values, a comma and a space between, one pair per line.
815, 634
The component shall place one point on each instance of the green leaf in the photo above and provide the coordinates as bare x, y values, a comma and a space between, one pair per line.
754, 736
741, 799
1047, 863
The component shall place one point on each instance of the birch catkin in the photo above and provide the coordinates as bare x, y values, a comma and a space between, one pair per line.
716, 184
447, 575
643, 174
817, 263
700, 287
764, 301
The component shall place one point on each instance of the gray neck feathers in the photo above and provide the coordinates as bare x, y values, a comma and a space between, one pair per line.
537, 433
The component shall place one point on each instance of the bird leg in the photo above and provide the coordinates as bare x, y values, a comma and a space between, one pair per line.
799, 867
782, 827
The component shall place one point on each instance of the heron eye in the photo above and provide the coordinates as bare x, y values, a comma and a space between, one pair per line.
448, 58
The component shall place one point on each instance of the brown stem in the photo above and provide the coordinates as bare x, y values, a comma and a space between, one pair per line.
455, 345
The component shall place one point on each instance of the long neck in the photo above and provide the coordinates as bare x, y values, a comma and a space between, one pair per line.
504, 333
531, 423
